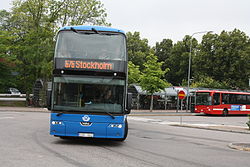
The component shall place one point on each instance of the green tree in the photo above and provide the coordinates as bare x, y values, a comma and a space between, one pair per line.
4, 20
134, 73
151, 79
7, 66
163, 51
33, 43
77, 12
178, 61
34, 24
225, 58
138, 49
6, 62
209, 82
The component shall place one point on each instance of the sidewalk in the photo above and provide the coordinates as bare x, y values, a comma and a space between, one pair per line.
224, 128
24, 109
240, 146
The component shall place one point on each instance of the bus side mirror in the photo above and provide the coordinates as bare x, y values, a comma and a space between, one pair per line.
49, 93
129, 103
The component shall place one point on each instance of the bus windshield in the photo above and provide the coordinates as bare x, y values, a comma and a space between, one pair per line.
203, 98
103, 46
88, 94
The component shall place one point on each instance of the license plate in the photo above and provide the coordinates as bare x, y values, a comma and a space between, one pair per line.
86, 135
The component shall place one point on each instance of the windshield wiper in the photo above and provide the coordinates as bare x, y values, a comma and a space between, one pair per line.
93, 29
59, 114
80, 32
108, 113
112, 116
74, 30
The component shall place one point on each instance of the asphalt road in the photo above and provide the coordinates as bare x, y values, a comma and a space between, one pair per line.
235, 120
25, 141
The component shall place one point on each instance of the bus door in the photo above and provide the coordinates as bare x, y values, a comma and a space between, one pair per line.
216, 107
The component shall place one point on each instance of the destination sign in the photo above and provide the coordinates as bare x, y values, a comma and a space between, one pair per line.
90, 65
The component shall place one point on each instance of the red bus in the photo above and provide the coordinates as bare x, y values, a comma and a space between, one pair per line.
217, 102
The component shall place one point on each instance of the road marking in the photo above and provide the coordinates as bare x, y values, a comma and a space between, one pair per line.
155, 121
8, 112
6, 118
161, 122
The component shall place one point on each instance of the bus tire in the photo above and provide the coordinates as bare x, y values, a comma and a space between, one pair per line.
66, 137
225, 112
125, 132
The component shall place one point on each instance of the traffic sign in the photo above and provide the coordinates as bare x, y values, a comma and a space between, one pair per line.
181, 95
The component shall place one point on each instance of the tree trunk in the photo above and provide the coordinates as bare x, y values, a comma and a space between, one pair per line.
151, 103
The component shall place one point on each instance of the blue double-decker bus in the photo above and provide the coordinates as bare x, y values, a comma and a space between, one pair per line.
89, 95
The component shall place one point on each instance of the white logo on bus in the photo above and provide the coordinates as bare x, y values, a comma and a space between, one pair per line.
86, 118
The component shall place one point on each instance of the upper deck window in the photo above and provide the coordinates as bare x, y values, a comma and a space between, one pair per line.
100, 46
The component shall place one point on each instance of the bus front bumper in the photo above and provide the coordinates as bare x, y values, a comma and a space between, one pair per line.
79, 129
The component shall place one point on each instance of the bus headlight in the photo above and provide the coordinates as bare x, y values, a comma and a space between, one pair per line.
56, 123
115, 125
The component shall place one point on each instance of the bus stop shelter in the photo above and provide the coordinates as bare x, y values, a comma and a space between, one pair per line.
165, 99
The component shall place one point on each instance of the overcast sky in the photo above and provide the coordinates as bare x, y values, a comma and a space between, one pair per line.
159, 19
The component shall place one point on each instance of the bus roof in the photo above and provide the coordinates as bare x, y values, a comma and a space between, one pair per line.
225, 91
98, 28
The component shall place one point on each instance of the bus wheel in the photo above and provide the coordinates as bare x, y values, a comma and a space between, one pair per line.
66, 137
225, 112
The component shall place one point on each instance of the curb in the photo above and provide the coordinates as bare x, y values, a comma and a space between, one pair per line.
22, 109
240, 146
216, 128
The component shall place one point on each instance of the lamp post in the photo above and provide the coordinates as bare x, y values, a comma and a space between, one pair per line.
189, 64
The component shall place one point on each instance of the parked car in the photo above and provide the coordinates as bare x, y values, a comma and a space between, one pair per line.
14, 91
